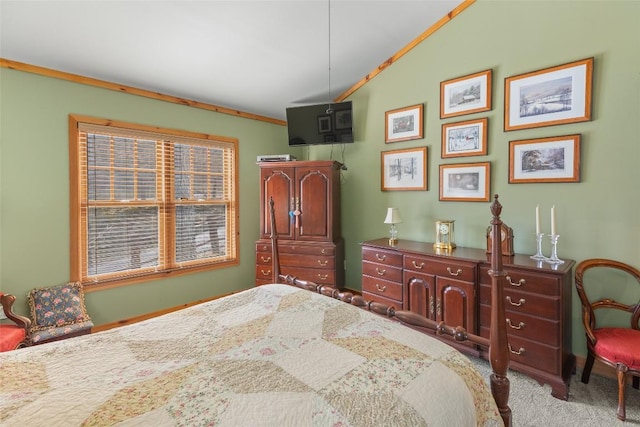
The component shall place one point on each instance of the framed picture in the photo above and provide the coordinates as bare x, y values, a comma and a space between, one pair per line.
463, 139
324, 124
548, 97
404, 124
553, 159
468, 182
404, 169
343, 119
465, 95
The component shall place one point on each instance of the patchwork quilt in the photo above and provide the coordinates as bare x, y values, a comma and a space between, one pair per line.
273, 355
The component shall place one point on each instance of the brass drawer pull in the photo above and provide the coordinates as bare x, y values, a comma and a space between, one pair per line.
322, 276
515, 304
323, 251
519, 352
457, 273
265, 273
419, 267
381, 288
517, 285
520, 325
267, 259
381, 257
381, 272
323, 263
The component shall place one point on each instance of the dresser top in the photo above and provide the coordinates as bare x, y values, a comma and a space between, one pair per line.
470, 254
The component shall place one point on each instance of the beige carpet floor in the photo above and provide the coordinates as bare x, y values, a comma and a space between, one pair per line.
592, 404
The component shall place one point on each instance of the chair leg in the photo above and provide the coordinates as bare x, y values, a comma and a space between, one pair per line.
621, 370
586, 371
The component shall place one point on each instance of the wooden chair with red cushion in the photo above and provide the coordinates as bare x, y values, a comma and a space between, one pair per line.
16, 335
616, 346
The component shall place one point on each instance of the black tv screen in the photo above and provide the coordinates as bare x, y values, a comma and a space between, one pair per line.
329, 123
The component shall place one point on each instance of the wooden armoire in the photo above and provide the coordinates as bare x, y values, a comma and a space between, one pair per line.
306, 196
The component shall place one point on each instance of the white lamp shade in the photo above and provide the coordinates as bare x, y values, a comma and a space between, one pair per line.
393, 216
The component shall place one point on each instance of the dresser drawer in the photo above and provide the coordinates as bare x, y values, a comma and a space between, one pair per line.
377, 298
263, 247
525, 281
457, 270
384, 288
525, 326
307, 261
525, 302
382, 271
381, 256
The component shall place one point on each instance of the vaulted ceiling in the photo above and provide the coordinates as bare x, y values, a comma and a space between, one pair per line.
254, 56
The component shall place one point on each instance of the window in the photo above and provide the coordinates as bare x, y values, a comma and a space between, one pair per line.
149, 202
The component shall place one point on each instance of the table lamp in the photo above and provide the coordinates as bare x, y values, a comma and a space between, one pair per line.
393, 218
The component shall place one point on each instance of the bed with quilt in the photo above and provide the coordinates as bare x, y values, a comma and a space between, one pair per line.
271, 355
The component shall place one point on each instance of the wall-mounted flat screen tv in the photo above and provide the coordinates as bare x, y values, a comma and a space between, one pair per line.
328, 123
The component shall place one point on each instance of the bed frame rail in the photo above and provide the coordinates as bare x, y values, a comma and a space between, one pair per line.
497, 343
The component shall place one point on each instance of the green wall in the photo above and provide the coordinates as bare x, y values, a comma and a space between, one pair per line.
34, 215
597, 217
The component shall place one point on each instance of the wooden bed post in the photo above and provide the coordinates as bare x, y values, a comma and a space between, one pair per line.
498, 346
274, 243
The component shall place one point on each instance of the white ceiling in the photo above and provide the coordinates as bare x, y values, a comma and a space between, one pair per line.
254, 56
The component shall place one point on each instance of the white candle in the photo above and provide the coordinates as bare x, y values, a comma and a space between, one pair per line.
537, 219
553, 220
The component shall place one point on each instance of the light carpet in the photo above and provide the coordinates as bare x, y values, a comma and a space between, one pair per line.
592, 404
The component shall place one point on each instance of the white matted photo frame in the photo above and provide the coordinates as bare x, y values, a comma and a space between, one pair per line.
462, 139
404, 169
404, 124
547, 97
465, 182
553, 159
465, 95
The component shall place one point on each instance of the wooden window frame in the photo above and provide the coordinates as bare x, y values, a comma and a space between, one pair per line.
166, 202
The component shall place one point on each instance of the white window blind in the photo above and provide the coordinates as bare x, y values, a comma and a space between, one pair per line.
150, 202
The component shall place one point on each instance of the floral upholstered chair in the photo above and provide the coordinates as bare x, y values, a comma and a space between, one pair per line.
58, 312
13, 335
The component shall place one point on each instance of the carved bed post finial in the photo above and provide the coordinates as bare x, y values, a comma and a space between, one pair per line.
496, 207
498, 346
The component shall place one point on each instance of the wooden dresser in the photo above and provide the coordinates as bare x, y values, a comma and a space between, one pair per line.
306, 196
455, 287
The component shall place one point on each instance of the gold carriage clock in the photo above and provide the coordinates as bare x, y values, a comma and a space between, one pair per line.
444, 235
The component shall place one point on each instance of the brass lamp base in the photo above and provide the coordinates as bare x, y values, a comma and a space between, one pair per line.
393, 241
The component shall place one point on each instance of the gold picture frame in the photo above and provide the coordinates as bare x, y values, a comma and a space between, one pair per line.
551, 96
465, 182
404, 169
465, 139
465, 95
404, 124
552, 159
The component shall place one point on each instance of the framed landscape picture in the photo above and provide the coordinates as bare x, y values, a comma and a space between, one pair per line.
466, 95
466, 182
553, 159
404, 169
404, 124
552, 96
463, 139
